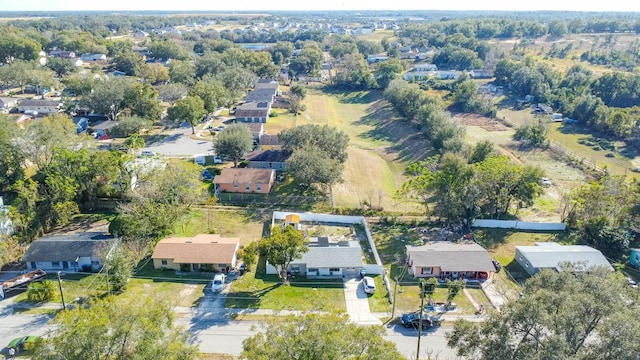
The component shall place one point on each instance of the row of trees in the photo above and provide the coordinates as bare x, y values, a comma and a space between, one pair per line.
462, 188
428, 113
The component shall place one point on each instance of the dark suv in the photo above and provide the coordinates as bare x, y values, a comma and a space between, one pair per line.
413, 320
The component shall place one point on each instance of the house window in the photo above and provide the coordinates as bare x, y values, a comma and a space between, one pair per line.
312, 270
95, 262
164, 262
55, 264
222, 266
270, 165
295, 268
334, 269
235, 186
426, 271
259, 187
247, 187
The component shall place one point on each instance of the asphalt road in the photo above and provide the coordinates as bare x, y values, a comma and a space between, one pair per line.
180, 143
219, 334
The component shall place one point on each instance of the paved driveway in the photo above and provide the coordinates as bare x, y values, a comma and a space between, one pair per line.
357, 303
180, 143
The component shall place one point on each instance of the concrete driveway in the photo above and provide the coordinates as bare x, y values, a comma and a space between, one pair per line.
180, 143
358, 303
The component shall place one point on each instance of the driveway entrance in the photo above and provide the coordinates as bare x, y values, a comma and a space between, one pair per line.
358, 303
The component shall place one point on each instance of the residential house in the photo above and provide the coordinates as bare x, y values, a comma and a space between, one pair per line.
273, 85
204, 252
449, 260
542, 108
551, 255
261, 95
41, 106
376, 58
7, 103
140, 34
62, 54
270, 142
268, 159
481, 73
257, 129
253, 112
449, 74
93, 57
327, 258
243, 180
425, 67
74, 252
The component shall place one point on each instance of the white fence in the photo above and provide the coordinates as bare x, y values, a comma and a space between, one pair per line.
343, 219
519, 225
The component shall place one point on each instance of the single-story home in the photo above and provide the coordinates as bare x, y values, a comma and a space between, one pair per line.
271, 84
41, 106
481, 73
253, 112
62, 54
206, 252
73, 252
270, 142
449, 260
327, 258
93, 57
551, 255
376, 58
449, 74
244, 180
268, 159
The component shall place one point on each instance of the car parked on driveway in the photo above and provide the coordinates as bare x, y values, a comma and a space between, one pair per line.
369, 285
413, 320
24, 343
206, 175
217, 284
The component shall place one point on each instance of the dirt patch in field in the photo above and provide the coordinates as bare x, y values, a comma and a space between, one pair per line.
487, 123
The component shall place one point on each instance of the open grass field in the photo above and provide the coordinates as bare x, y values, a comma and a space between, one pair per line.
378, 35
246, 225
562, 174
570, 137
378, 151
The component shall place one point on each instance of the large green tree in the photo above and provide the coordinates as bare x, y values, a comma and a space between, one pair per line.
387, 71
121, 328
328, 139
319, 336
190, 109
234, 142
12, 155
281, 248
561, 315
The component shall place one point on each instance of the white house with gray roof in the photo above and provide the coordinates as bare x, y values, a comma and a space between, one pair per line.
72, 252
327, 258
449, 260
551, 255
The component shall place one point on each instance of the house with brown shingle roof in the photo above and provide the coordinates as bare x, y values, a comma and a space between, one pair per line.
204, 252
253, 112
245, 180
449, 260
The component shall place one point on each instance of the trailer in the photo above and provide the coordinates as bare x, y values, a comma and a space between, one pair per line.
21, 281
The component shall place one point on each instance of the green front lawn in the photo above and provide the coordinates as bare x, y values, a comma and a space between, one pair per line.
265, 292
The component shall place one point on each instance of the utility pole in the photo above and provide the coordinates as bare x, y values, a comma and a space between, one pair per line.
395, 297
422, 294
64, 306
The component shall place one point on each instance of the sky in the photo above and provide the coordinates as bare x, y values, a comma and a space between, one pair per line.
277, 5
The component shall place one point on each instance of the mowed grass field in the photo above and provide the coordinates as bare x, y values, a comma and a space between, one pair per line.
379, 148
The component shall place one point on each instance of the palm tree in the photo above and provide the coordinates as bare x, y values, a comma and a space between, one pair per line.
135, 142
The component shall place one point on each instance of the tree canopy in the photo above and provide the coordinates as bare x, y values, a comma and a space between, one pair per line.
116, 329
234, 142
281, 248
319, 336
561, 315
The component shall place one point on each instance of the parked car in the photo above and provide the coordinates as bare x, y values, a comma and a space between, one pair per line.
218, 128
206, 175
23, 343
217, 159
217, 284
413, 320
147, 153
497, 265
369, 285
546, 182
242, 268
632, 282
